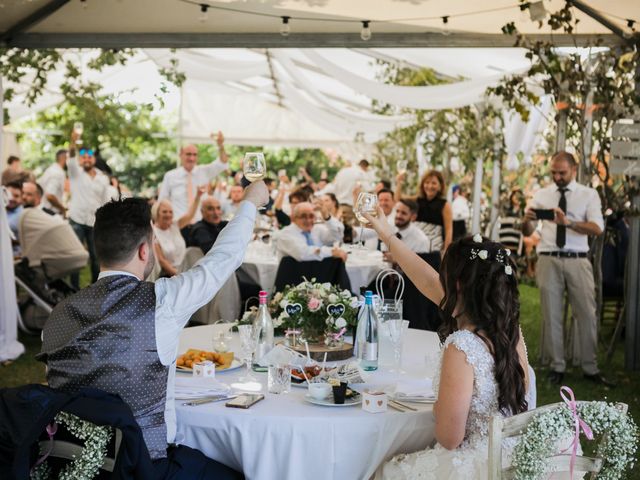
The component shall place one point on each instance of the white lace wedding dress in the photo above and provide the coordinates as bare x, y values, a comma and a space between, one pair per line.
469, 460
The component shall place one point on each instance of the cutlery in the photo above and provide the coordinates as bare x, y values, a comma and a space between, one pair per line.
404, 405
396, 407
200, 401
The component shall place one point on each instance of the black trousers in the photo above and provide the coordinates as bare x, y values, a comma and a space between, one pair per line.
186, 463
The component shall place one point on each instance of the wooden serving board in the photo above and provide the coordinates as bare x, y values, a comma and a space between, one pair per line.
317, 350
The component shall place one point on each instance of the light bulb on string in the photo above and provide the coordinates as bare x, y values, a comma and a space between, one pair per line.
365, 33
445, 26
285, 28
204, 15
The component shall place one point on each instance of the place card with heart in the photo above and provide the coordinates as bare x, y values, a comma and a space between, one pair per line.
374, 402
335, 310
293, 309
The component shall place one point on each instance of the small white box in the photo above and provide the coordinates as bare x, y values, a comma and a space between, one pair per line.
374, 402
204, 369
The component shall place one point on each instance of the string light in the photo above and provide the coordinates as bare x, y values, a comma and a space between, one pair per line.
285, 28
537, 12
365, 33
445, 25
204, 15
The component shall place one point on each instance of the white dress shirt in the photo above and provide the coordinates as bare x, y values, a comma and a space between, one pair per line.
583, 205
415, 239
52, 182
346, 181
178, 297
292, 242
87, 193
174, 185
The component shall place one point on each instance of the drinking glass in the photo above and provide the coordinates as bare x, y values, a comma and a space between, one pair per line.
78, 128
402, 166
254, 166
248, 344
366, 203
396, 332
279, 379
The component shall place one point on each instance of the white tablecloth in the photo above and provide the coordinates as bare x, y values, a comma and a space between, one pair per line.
261, 264
284, 437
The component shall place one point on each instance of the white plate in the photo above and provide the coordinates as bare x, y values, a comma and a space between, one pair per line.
235, 364
328, 402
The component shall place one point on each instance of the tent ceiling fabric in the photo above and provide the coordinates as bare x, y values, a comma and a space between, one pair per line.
175, 22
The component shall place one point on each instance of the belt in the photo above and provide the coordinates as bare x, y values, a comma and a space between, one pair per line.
565, 254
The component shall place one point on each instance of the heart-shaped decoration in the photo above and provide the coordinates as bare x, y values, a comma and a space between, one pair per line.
367, 402
379, 403
335, 309
293, 309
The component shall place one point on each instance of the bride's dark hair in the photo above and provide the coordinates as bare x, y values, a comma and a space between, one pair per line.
488, 297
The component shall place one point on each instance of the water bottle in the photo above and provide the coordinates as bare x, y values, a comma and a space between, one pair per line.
367, 335
263, 322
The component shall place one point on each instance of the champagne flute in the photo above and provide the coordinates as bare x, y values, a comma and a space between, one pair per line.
254, 166
366, 203
78, 128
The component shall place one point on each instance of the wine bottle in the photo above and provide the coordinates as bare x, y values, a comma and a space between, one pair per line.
265, 324
367, 335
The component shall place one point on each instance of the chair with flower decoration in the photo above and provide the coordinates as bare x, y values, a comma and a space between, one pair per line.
502, 428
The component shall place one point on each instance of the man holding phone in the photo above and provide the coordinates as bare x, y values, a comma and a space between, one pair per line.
570, 213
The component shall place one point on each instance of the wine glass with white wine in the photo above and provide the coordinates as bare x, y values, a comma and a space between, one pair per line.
254, 166
366, 203
401, 166
78, 129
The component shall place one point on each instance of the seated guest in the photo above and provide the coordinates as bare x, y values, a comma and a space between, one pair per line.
304, 241
412, 236
329, 209
369, 236
231, 206
295, 198
169, 246
204, 233
14, 210
32, 194
121, 334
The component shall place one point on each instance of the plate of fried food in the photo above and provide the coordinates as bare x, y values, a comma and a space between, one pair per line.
224, 361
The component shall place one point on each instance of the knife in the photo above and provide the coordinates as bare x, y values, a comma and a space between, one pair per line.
200, 401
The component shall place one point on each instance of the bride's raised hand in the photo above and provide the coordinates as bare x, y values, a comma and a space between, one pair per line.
380, 224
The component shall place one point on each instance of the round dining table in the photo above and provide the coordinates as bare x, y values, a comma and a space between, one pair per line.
286, 437
261, 264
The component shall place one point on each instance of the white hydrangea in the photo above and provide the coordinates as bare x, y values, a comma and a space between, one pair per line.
341, 322
333, 298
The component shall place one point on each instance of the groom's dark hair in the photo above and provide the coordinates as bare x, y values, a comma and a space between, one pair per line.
121, 226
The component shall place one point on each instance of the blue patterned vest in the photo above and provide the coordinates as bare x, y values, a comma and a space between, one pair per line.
104, 337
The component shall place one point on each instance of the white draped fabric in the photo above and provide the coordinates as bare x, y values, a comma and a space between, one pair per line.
525, 138
436, 97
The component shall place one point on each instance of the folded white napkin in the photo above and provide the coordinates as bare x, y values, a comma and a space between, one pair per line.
195, 387
415, 389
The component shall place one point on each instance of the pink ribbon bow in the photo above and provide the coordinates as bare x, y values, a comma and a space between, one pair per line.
579, 424
336, 336
52, 428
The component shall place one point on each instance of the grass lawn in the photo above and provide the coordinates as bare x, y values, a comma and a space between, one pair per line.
26, 370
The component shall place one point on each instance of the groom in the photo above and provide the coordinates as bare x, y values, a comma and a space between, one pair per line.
121, 333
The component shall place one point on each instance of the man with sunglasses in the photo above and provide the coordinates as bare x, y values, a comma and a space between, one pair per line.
179, 185
89, 191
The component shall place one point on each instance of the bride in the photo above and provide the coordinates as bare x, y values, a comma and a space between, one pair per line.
484, 369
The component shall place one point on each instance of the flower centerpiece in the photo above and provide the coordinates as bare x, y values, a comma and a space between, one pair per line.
320, 312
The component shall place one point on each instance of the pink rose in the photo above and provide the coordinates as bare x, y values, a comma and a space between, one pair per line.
314, 304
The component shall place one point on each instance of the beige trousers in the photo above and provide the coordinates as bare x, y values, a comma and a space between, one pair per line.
553, 275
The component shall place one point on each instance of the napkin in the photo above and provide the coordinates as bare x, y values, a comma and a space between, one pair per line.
197, 387
419, 390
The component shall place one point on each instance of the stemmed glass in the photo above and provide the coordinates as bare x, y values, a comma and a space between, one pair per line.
396, 332
78, 128
248, 344
254, 166
366, 203
401, 166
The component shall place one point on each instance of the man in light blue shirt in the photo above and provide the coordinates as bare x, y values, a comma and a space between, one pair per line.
121, 334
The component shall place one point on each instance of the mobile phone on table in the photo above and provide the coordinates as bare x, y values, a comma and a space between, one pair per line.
245, 400
545, 213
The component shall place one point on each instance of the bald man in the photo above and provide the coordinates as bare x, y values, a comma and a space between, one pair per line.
203, 234
179, 185
305, 241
